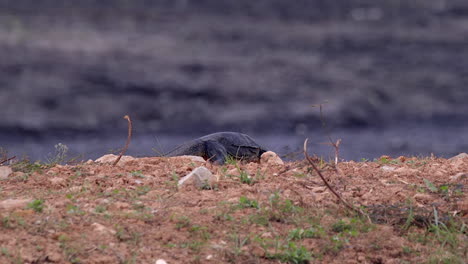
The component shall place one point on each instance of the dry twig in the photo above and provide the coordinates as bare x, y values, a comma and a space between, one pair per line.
128, 140
7, 159
334, 144
349, 206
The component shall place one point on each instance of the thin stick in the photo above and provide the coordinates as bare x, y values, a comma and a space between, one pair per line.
309, 159
128, 139
6, 160
336, 145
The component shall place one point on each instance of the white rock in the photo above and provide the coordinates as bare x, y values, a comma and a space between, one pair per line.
111, 158
387, 168
5, 171
459, 156
199, 177
160, 261
192, 158
11, 204
271, 158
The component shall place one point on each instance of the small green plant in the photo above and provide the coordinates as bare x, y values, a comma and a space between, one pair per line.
341, 226
245, 177
430, 186
27, 166
182, 222
230, 160
137, 173
245, 202
100, 209
291, 253
299, 233
37, 205
239, 242
74, 209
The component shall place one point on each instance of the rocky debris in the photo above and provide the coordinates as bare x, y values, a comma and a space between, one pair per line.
5, 171
459, 156
199, 177
12, 204
271, 158
160, 261
111, 158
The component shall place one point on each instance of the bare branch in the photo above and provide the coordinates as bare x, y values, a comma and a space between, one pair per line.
128, 140
6, 160
349, 206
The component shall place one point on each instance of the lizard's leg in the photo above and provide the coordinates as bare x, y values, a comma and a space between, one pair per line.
215, 152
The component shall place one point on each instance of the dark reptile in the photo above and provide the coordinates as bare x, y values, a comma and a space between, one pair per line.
219, 146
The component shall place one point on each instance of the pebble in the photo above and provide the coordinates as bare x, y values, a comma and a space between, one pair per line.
199, 177
11, 204
271, 158
5, 171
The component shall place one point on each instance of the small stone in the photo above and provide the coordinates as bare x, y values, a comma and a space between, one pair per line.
458, 164
233, 172
111, 158
422, 197
139, 182
102, 229
104, 259
191, 158
388, 168
200, 177
402, 159
12, 204
458, 177
257, 251
57, 181
271, 158
54, 257
74, 189
406, 171
463, 207
209, 257
319, 189
160, 261
459, 156
119, 206
5, 171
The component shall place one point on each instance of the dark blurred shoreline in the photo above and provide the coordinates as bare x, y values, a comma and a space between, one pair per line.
422, 140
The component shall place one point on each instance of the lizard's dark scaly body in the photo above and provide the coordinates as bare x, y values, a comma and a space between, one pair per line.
218, 146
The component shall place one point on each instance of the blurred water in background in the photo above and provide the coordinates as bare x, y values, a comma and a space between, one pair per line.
391, 74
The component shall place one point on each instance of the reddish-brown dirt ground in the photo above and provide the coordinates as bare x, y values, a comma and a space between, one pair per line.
254, 213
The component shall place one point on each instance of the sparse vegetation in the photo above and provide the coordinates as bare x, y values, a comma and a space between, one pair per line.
288, 218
